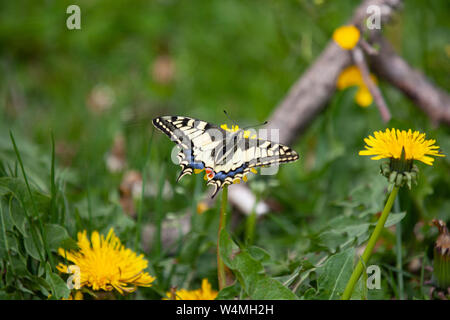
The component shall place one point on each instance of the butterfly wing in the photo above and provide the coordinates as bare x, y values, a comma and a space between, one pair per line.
225, 156
196, 138
247, 154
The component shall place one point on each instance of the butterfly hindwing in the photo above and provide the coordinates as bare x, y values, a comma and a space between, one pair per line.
250, 153
267, 153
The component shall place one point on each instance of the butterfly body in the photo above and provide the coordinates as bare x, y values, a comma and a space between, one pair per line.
225, 155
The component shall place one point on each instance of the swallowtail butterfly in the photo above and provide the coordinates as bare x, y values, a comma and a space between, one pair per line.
225, 156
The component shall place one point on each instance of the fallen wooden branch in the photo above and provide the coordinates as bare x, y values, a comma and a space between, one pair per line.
434, 101
360, 61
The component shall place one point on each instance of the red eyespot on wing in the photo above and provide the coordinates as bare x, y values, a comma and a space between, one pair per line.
209, 173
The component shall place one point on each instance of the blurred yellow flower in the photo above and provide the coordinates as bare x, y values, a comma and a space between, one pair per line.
204, 293
389, 144
363, 97
346, 36
104, 263
447, 50
202, 206
351, 76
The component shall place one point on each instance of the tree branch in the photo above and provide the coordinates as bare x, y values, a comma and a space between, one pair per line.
434, 101
360, 61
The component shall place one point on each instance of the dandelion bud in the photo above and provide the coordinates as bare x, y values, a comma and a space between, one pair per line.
400, 171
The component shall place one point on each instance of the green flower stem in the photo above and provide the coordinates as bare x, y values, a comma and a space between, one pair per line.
370, 245
222, 223
159, 213
250, 224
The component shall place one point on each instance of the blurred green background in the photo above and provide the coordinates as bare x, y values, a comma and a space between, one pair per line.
97, 89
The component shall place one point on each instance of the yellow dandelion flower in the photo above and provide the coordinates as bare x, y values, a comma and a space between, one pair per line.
389, 144
346, 36
105, 264
204, 293
351, 76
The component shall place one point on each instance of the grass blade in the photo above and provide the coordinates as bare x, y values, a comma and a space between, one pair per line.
40, 224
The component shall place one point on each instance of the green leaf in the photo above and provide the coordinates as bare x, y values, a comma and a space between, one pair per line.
55, 235
17, 188
334, 274
17, 215
247, 269
310, 294
7, 239
11, 242
69, 244
394, 218
59, 288
259, 254
342, 232
229, 292
227, 248
30, 246
20, 267
270, 289
250, 272
5, 217
20, 286
40, 284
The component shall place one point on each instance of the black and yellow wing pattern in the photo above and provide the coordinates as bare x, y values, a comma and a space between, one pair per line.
225, 156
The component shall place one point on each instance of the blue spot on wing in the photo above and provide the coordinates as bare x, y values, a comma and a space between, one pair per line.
197, 165
192, 163
223, 175
219, 175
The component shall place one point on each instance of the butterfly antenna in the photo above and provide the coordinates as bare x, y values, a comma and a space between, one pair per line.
229, 118
257, 125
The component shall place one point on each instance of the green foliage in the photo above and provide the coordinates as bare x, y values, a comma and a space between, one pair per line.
250, 272
29, 238
334, 274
